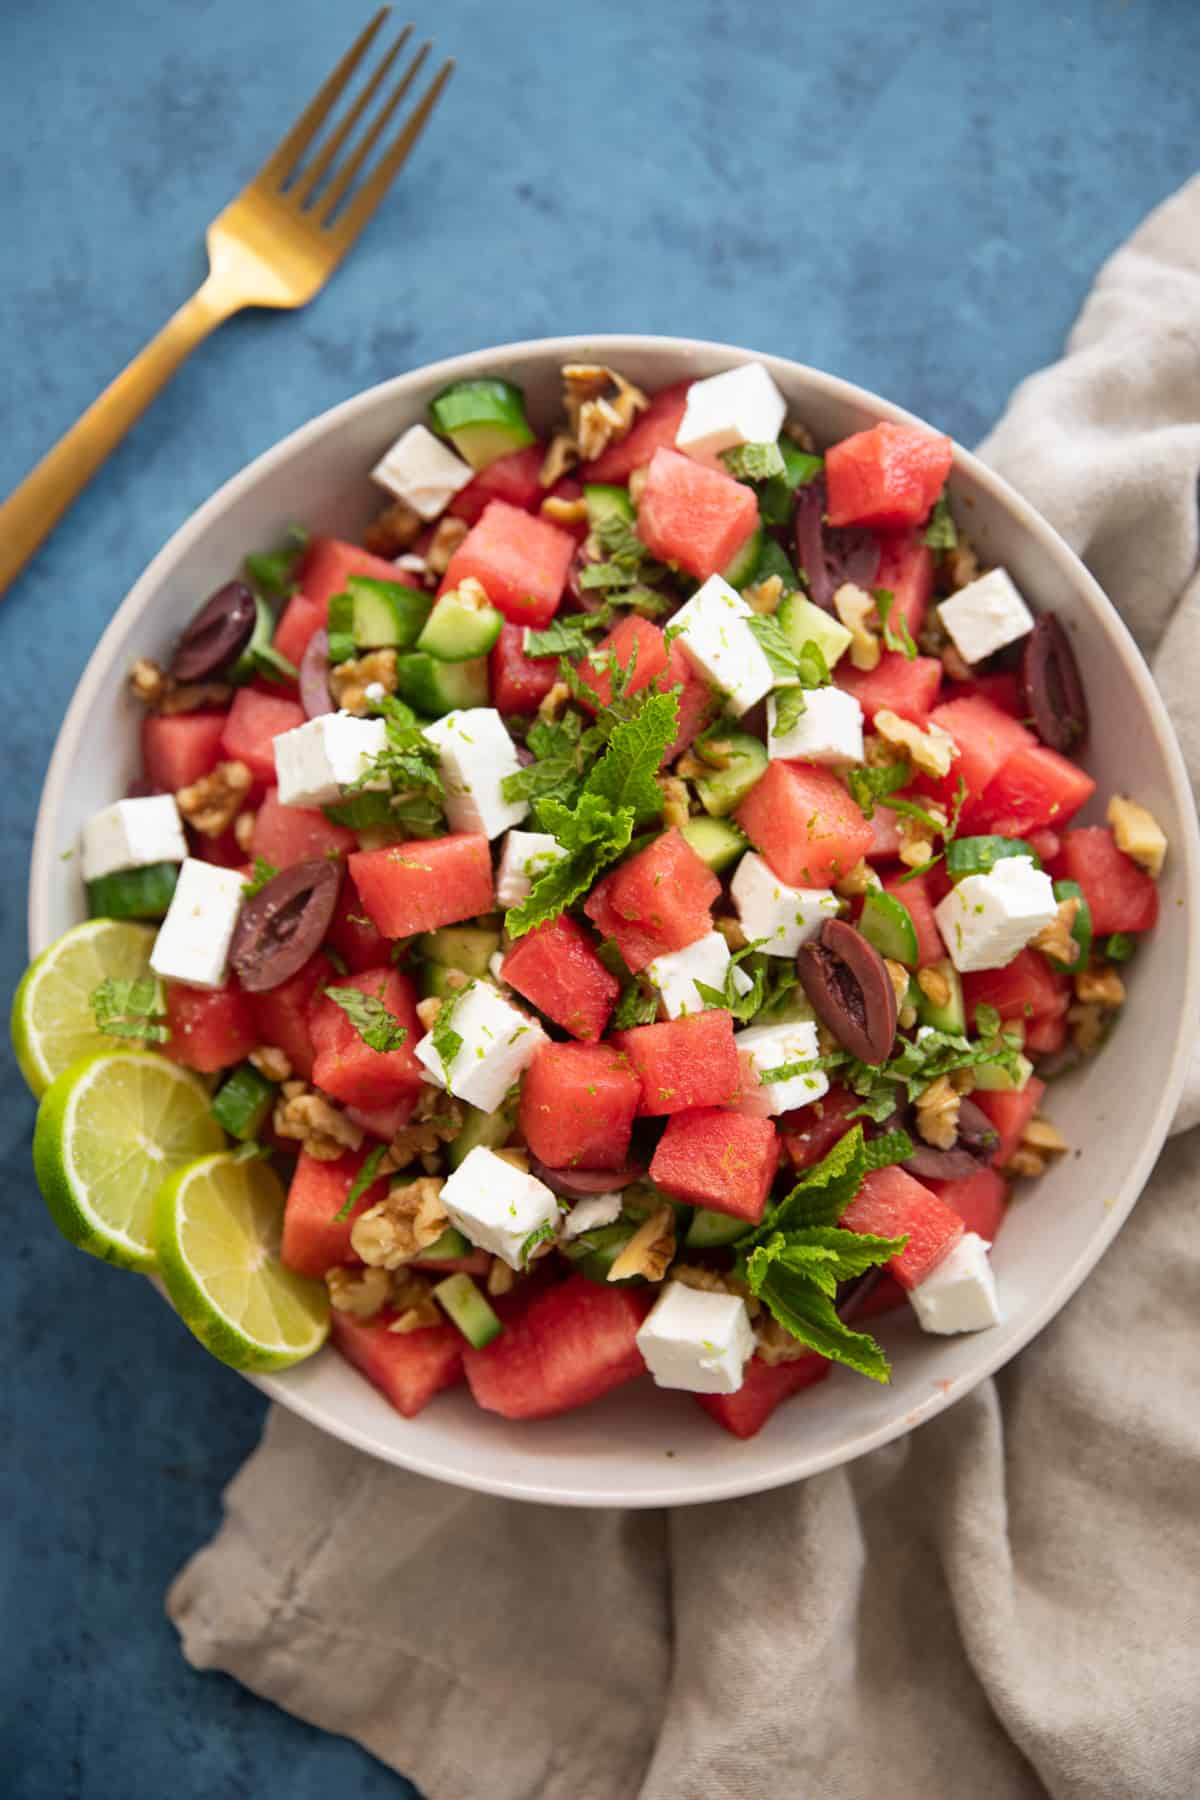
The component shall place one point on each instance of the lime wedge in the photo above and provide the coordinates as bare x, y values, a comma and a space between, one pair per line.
52, 1024
108, 1132
217, 1227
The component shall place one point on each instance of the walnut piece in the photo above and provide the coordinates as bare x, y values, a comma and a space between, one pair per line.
428, 1010
243, 830
516, 1157
437, 1119
774, 1344
561, 511
398, 1227
764, 596
416, 1308
797, 433
551, 704
1055, 938
906, 1012
957, 568
270, 1061
396, 528
937, 1113
929, 749
561, 456
1100, 986
935, 986
1088, 1023
601, 405
1138, 833
448, 535
211, 804
637, 483
360, 1292
312, 1121
155, 688
349, 681
1025, 1161
649, 1250
860, 879
500, 1277
731, 930
1041, 1135
676, 805
859, 614
955, 664
148, 681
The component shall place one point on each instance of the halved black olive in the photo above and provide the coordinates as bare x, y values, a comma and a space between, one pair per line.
217, 635
578, 1184
930, 1164
850, 990
1052, 686
830, 555
283, 924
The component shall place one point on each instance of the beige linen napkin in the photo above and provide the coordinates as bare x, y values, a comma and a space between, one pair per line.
1002, 1605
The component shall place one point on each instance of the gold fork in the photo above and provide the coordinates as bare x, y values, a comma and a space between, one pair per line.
275, 245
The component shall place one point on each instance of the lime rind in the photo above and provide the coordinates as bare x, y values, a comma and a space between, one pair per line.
51, 1021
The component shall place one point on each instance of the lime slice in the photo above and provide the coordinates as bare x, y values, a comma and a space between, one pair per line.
52, 1024
108, 1132
217, 1227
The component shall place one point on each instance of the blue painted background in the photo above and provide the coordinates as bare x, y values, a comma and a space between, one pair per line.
915, 197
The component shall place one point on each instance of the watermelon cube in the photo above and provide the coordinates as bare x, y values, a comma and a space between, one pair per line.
515, 479
407, 1367
884, 1297
718, 1159
571, 1344
300, 619
979, 1200
556, 967
765, 1385
290, 834
655, 429
329, 564
810, 1132
892, 1204
424, 883
252, 724
915, 893
696, 517
345, 1066
636, 644
906, 570
698, 704
1045, 1036
1120, 896
1026, 988
1010, 1114
1045, 844
518, 683
909, 688
805, 823
1035, 786
888, 476
1002, 689
384, 1121
986, 736
209, 1031
684, 1062
660, 900
352, 934
521, 561
578, 1103
281, 1014
314, 1238
179, 748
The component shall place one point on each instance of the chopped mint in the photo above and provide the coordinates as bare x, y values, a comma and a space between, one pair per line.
273, 572
754, 462
901, 638
376, 1026
941, 533
263, 872
131, 1009
362, 1181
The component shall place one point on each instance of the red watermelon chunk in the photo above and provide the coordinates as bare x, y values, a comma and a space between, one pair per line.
888, 476
765, 1385
281, 1015
209, 1030
515, 479
290, 834
718, 1159
408, 1367
578, 1103
352, 934
908, 688
556, 967
653, 430
697, 702
906, 570
252, 724
1045, 844
696, 517
1003, 690
521, 561
301, 617
885, 1296
890, 1203
1046, 1035
518, 683
805, 823
810, 1132
571, 1344
348, 1068
1026, 988
314, 1238
914, 892
1035, 786
329, 564
660, 900
384, 1121
1120, 896
636, 644
986, 736
1010, 1114
979, 1200
424, 883
179, 748
685, 1062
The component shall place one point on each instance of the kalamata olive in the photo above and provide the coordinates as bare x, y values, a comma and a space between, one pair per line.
1052, 686
280, 928
578, 1184
854, 1295
830, 555
975, 1129
850, 990
315, 697
941, 1165
217, 635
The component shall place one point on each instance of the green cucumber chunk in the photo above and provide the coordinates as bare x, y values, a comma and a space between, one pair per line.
1119, 946
777, 495
605, 502
466, 947
243, 1102
463, 1303
952, 1016
743, 760
716, 841
133, 893
484, 419
1081, 930
887, 923
375, 615
594, 1252
773, 559
739, 570
804, 623
438, 982
709, 1230
450, 1245
434, 687
260, 656
976, 855
492, 1130
456, 631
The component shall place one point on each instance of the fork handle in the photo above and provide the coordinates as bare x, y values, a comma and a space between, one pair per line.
35, 507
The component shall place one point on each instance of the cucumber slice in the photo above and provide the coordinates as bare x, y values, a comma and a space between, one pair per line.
243, 1102
595, 1252
953, 1015
434, 687
739, 570
709, 1230
777, 496
451, 1244
484, 419
887, 923
743, 760
133, 893
604, 502
439, 982
774, 560
804, 623
715, 841
491, 1129
1119, 946
260, 656
456, 631
466, 947
463, 1303
976, 855
1081, 931
375, 615
990, 1078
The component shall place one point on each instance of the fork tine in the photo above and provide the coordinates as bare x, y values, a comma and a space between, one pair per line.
340, 184
347, 228
283, 158
301, 190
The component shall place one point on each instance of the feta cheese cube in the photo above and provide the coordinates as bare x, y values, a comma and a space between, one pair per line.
785, 916
497, 1205
985, 615
422, 470
498, 1044
526, 854
960, 1294
739, 406
318, 760
589, 1214
132, 834
193, 940
697, 1341
713, 632
766, 1047
476, 754
829, 730
986, 919
675, 975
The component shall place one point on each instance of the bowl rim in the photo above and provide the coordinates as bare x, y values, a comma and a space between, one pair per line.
611, 346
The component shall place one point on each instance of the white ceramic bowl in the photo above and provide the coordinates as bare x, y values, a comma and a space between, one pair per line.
642, 1447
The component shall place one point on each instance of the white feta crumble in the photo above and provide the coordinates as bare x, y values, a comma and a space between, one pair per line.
525, 856
785, 917
739, 406
423, 471
193, 940
498, 1044
712, 629
317, 761
697, 1341
132, 834
766, 1047
986, 919
589, 1214
497, 1205
985, 615
476, 753
675, 975
829, 731
960, 1294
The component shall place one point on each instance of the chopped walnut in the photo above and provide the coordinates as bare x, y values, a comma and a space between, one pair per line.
415, 1305
1055, 938
859, 614
676, 806
551, 704
396, 528
906, 1012
860, 879
937, 1113
1100, 986
935, 986
448, 534
1088, 1023
437, 1119
637, 483
731, 930
1138, 833
930, 749
649, 1250
918, 837
561, 456
500, 1277
428, 1010
1025, 1161
310, 1119
398, 1227
154, 687
243, 830
1041, 1135
560, 511
695, 1275
799, 434
360, 1292
957, 568
148, 681
774, 1344
270, 1061
764, 596
349, 681
877, 754
210, 804
601, 405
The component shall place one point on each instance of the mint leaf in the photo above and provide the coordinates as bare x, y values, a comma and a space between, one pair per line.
773, 559
378, 1028
777, 497
625, 775
446, 1041
569, 635
810, 1315
868, 785
542, 1234
263, 872
408, 763
628, 564
824, 1253
807, 666
987, 1020
272, 573
900, 639
823, 1192
754, 462
890, 1147
790, 705
362, 1181
131, 1009
940, 533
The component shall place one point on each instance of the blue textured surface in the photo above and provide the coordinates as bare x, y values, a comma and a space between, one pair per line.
915, 197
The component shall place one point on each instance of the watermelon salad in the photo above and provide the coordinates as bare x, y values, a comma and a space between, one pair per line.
637, 890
